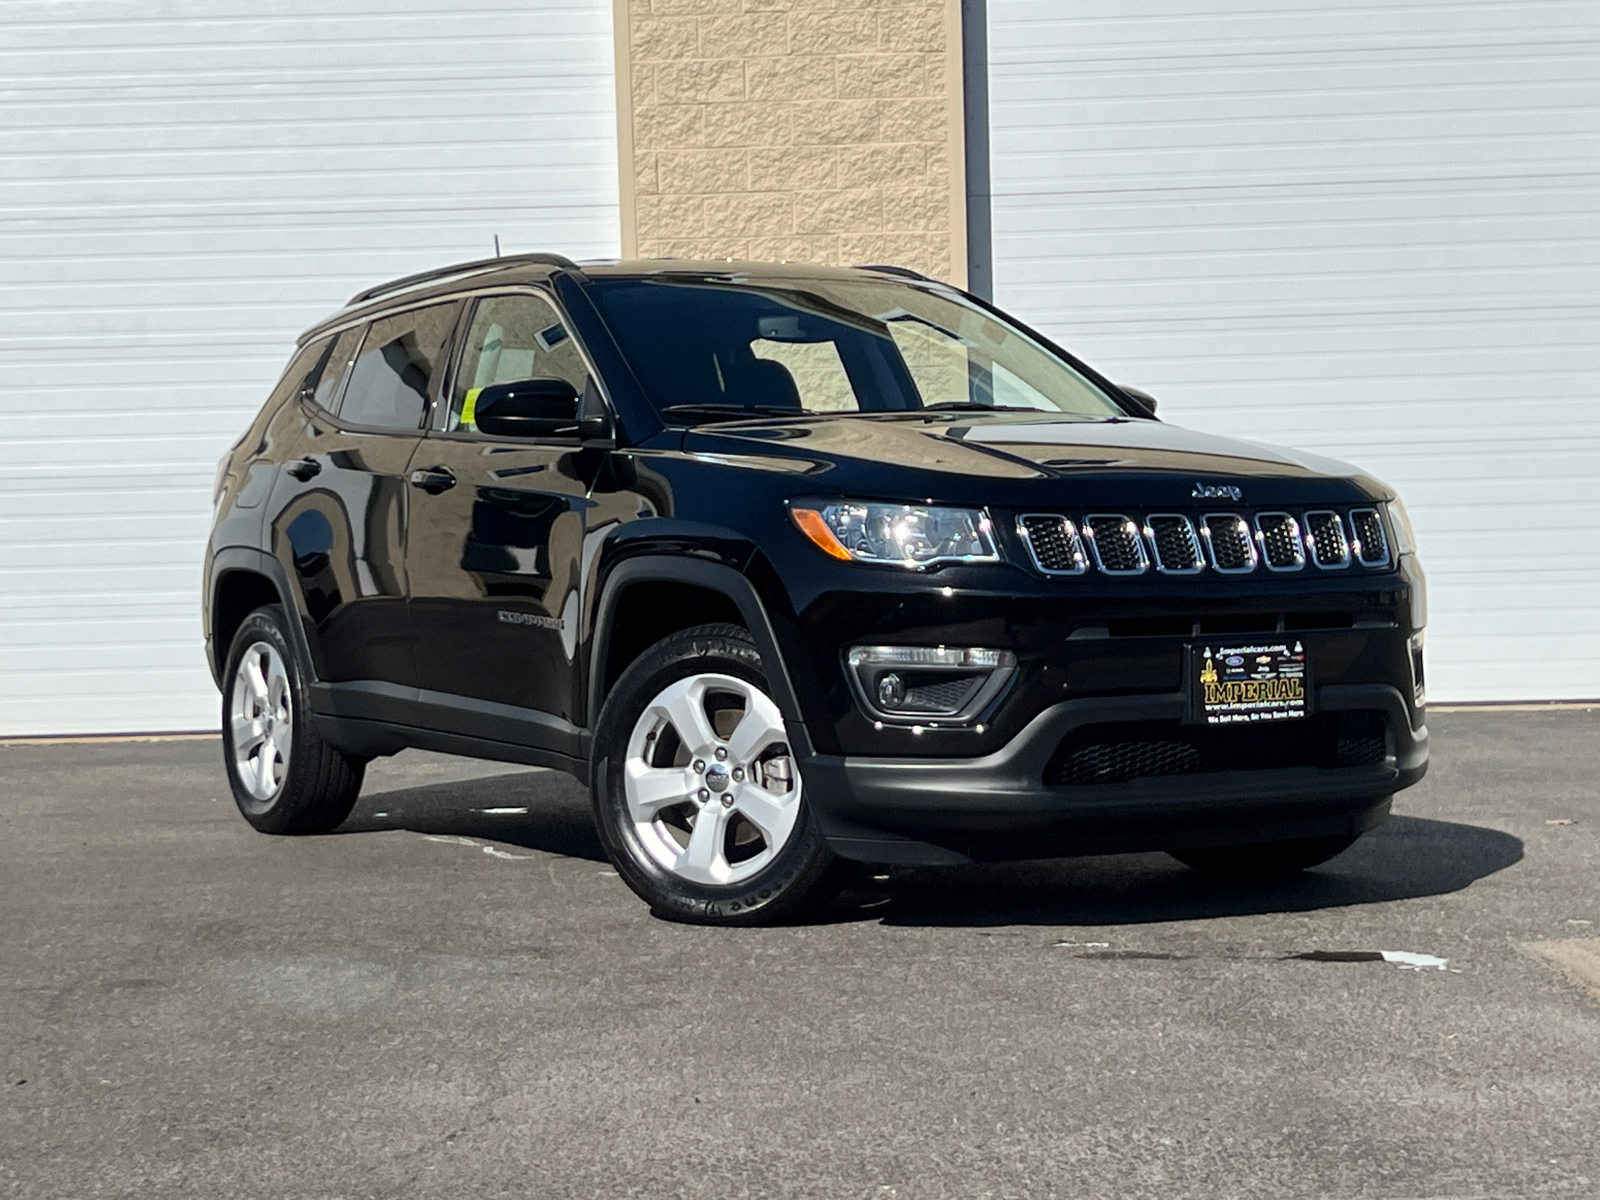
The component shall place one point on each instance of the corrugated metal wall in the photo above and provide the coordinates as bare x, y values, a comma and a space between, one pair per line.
186, 186
1369, 229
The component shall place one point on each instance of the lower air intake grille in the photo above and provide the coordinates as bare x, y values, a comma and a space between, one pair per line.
940, 695
1177, 548
1118, 544
1280, 541
1121, 753
1363, 739
1054, 543
1372, 547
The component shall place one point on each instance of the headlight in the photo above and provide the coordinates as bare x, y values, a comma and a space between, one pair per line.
909, 535
1405, 538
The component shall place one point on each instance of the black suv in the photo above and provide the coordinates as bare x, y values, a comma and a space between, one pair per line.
799, 567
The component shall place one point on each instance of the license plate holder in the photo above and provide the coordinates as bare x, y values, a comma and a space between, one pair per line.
1249, 681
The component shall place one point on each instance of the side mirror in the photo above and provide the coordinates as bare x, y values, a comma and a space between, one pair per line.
528, 408
595, 429
1143, 399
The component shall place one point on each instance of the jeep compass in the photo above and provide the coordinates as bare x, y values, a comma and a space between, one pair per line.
798, 568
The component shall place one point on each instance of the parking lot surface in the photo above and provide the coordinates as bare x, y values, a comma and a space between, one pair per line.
456, 996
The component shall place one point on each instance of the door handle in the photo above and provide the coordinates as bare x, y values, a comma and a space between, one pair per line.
434, 480
306, 468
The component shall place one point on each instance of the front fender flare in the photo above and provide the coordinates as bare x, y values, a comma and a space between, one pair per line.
714, 577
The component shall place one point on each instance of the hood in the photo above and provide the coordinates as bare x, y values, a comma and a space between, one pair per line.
1014, 458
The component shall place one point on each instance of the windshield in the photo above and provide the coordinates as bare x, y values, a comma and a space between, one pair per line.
709, 348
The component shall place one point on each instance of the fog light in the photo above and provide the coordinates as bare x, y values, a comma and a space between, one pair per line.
891, 690
927, 685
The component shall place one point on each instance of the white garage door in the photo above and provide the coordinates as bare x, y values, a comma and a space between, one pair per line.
1368, 229
187, 185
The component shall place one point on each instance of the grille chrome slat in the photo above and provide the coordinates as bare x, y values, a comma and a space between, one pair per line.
1371, 543
1175, 545
1325, 540
1279, 534
1117, 544
1053, 542
1229, 543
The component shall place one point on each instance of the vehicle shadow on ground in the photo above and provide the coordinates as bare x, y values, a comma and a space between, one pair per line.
1405, 858
557, 819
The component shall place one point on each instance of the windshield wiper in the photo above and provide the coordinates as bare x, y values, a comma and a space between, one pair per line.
731, 412
975, 406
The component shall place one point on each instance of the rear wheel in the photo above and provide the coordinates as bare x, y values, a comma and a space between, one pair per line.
285, 779
1264, 860
697, 795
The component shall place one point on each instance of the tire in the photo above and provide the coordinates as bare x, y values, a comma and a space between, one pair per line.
1264, 861
691, 731
285, 779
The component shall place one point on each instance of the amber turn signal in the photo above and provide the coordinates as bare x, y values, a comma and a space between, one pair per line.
814, 527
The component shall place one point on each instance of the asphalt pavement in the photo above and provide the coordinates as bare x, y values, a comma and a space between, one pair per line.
455, 996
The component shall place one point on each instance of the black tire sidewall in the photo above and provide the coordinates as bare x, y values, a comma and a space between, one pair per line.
295, 808
787, 885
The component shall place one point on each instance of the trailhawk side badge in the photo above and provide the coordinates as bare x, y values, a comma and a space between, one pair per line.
534, 619
1216, 491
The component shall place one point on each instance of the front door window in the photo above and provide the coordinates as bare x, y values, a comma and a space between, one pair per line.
512, 338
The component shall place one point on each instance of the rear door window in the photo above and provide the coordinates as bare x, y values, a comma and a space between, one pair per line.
395, 372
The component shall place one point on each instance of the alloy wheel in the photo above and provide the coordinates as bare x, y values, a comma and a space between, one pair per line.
261, 718
710, 781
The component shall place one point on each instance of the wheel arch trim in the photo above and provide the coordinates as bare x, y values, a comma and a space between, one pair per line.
233, 560
715, 577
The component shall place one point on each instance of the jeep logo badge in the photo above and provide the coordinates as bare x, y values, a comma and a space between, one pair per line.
1216, 491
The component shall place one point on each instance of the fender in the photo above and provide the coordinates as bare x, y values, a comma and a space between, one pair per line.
258, 562
714, 577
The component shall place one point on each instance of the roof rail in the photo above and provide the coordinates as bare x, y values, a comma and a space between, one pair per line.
466, 268
902, 272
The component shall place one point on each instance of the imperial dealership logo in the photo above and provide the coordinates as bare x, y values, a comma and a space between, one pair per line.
1216, 491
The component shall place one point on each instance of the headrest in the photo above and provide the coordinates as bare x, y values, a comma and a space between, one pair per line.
761, 383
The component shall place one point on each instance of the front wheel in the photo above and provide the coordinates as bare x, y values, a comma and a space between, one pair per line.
1263, 861
697, 796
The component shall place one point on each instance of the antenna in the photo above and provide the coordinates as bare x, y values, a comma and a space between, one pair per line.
497, 245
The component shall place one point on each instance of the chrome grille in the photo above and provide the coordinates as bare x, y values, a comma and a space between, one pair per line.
1326, 541
1233, 550
1280, 541
1230, 543
1054, 543
1177, 548
1371, 545
1117, 544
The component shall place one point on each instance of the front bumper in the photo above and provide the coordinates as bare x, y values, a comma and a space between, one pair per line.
998, 806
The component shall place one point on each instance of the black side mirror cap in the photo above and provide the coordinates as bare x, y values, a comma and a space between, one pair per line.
596, 430
1140, 399
528, 408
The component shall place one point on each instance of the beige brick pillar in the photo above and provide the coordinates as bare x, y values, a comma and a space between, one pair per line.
793, 129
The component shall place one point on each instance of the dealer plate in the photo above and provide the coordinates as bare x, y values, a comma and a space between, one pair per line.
1235, 683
